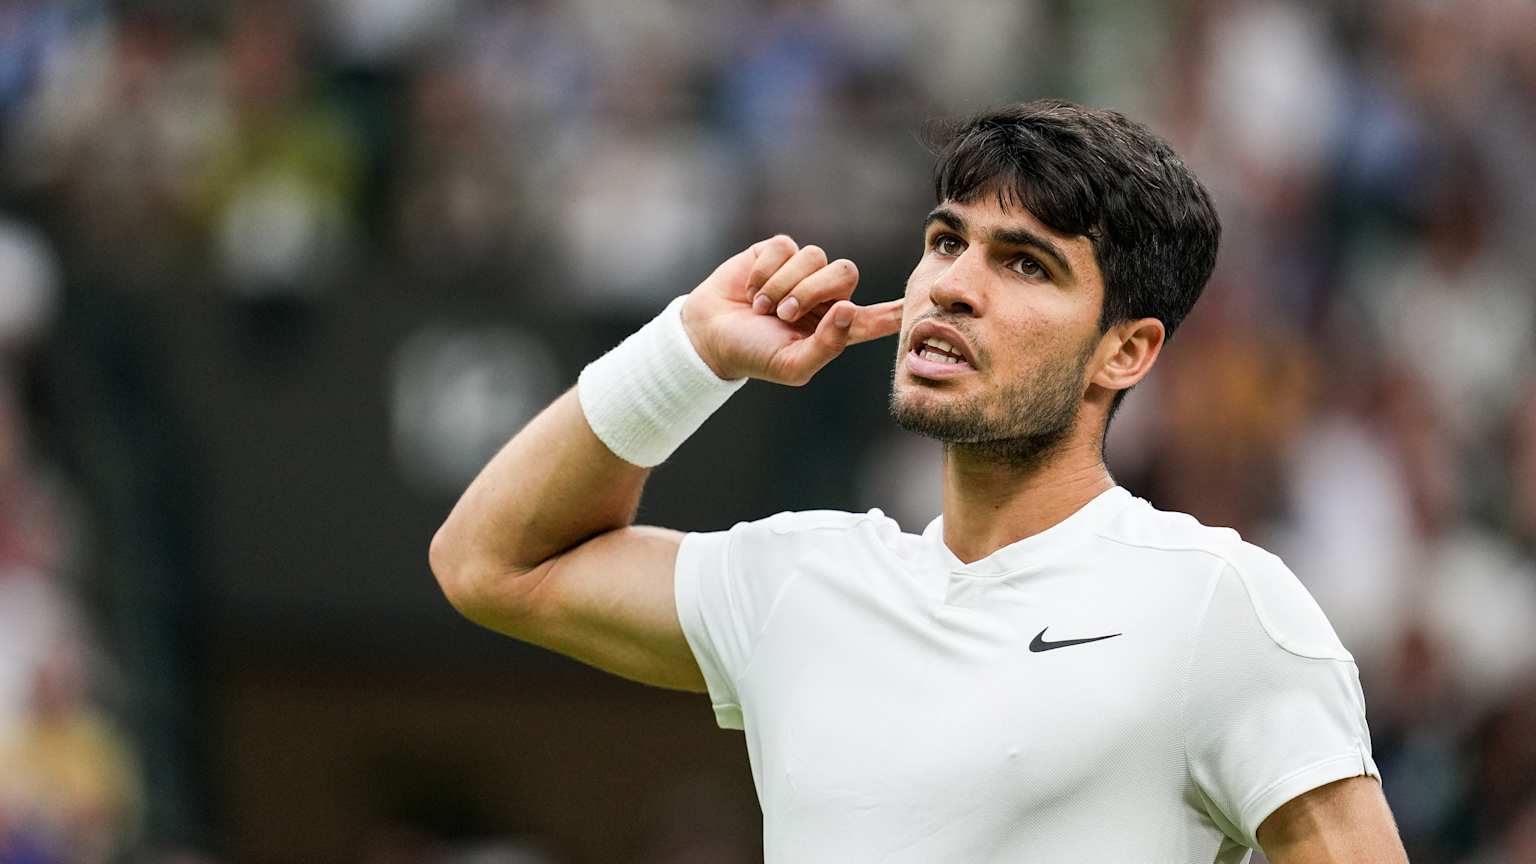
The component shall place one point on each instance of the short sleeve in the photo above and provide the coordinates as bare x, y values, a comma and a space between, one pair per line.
1273, 702
727, 584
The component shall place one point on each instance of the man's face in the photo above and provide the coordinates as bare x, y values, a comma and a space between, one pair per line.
1014, 309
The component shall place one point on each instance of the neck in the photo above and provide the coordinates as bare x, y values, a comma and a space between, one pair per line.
990, 502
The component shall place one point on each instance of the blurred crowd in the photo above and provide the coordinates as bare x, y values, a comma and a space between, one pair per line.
1357, 390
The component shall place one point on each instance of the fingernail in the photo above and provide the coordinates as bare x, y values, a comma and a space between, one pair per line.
844, 317
761, 304
788, 308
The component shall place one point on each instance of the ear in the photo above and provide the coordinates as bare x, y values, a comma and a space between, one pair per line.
1127, 353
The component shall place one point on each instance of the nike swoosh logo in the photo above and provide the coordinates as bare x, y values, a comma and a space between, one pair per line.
1039, 644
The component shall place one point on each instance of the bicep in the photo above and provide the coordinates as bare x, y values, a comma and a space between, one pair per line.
1344, 821
609, 603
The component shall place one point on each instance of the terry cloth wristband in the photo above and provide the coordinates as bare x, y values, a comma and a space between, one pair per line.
646, 396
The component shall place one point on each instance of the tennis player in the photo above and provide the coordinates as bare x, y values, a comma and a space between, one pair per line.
1053, 670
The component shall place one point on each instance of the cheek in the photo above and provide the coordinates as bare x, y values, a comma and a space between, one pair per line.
917, 287
1028, 343
914, 302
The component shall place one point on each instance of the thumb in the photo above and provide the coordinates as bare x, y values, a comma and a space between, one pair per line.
732, 273
804, 357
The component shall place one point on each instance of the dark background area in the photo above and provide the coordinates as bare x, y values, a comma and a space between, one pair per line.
277, 277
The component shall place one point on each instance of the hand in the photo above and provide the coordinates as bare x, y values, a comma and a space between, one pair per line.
802, 317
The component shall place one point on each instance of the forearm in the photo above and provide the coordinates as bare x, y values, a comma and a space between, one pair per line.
577, 470
553, 486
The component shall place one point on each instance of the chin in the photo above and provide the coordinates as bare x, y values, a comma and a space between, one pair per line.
909, 390
919, 395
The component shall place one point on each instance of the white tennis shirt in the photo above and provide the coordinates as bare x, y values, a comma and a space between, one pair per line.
901, 706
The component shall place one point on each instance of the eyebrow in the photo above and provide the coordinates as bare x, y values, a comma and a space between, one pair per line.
1003, 236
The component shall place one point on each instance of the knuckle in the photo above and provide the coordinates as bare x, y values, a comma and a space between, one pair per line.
846, 267
815, 253
782, 241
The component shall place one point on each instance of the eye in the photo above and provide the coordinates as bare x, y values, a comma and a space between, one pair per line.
947, 244
1027, 267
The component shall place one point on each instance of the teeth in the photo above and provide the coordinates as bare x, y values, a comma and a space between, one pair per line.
939, 351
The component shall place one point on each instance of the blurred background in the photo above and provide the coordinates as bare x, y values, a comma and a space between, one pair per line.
277, 277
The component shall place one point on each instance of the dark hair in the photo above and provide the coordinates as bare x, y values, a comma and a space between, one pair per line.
1098, 174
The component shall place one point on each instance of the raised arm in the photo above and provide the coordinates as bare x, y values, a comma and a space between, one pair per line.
541, 547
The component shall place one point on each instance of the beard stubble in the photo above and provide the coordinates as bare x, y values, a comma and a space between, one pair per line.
1020, 425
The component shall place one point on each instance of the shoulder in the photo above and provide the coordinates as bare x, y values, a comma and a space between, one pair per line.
818, 532
792, 522
1245, 580
1143, 526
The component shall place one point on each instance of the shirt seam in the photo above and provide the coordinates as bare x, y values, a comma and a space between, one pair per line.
1163, 547
1247, 592
1352, 758
1289, 649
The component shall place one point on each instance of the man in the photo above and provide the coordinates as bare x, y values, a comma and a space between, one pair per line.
1053, 671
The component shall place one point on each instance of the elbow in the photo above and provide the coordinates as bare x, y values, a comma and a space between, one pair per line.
455, 578
475, 589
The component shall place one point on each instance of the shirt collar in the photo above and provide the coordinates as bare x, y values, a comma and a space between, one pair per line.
1032, 550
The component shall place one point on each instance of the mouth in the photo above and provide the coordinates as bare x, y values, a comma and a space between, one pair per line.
936, 351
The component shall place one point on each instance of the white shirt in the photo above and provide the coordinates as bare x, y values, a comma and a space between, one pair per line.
901, 706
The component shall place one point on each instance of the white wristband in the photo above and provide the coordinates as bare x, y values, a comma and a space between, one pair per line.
646, 396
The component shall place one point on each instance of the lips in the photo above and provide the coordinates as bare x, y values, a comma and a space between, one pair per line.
941, 343
937, 351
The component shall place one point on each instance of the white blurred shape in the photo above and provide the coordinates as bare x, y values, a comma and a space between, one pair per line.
1274, 85
1481, 605
377, 31
1351, 539
29, 282
34, 616
968, 57
1465, 330
643, 214
458, 393
277, 235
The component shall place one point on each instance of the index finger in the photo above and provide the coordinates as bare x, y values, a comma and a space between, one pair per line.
769, 256
875, 321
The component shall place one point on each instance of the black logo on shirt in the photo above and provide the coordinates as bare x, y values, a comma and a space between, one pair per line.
1039, 644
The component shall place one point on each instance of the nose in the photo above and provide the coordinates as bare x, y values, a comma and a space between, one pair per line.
958, 290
